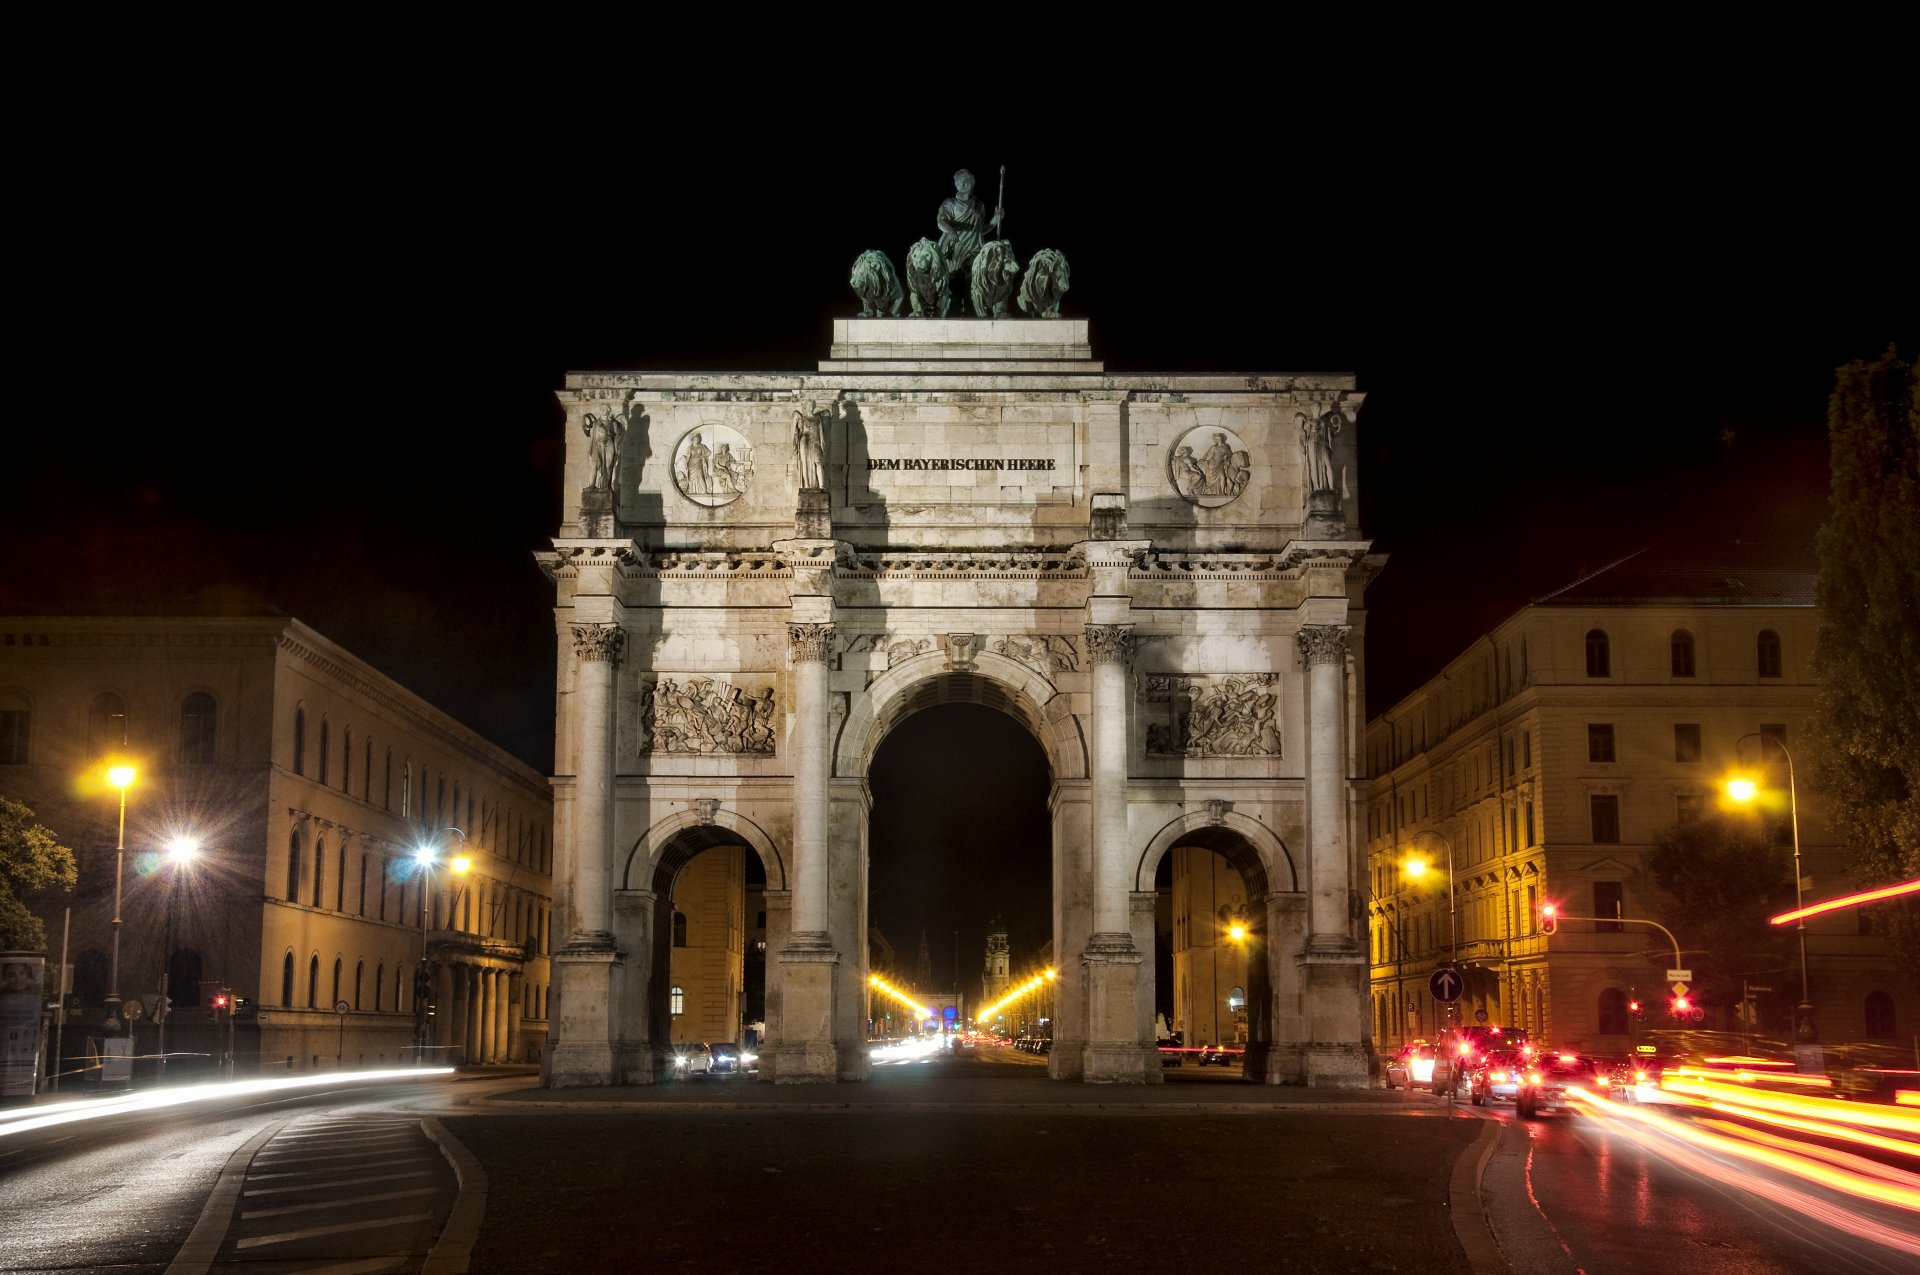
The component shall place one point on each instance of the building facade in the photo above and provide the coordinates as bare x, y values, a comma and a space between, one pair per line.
308, 781
758, 575
1545, 762
1211, 927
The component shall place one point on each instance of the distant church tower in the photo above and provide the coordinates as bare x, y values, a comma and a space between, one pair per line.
998, 976
923, 967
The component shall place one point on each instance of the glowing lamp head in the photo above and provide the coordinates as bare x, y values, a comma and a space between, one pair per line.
120, 776
424, 856
1742, 789
462, 864
1415, 867
1237, 931
181, 850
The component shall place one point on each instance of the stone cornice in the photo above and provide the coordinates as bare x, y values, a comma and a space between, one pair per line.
950, 564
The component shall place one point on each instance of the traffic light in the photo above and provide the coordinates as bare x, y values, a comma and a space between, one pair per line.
1635, 1008
1680, 1006
222, 1001
1549, 918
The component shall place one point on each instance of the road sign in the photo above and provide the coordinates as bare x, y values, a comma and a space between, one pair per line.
342, 1008
1679, 989
1446, 985
1479, 1015
1679, 976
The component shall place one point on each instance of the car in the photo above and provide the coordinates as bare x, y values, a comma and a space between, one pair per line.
1496, 1076
1552, 1081
728, 1059
1172, 1053
1638, 1079
1412, 1067
693, 1058
1227, 1055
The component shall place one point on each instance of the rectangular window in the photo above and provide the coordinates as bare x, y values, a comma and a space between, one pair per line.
1513, 828
1533, 908
1599, 741
1686, 741
1604, 809
1533, 829
1510, 758
1773, 741
1689, 806
1526, 749
1609, 899
14, 725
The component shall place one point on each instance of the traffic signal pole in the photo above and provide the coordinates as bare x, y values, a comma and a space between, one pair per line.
1629, 920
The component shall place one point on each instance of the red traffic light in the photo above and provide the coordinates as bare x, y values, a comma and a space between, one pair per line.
1682, 1005
1633, 1007
1549, 918
220, 1000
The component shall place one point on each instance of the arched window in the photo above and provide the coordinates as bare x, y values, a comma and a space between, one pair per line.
1613, 1012
386, 788
679, 929
439, 800
1681, 645
1879, 1016
359, 974
346, 760
313, 981
340, 883
286, 981
107, 723
1236, 998
337, 963
379, 985
1768, 652
299, 741
406, 789
326, 742
1599, 654
293, 868
679, 1000
319, 871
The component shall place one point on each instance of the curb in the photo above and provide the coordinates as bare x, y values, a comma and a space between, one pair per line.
1470, 1223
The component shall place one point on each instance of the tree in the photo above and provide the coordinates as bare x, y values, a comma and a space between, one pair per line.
31, 860
1865, 732
1727, 874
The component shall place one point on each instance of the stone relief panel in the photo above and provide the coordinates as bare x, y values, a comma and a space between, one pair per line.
1046, 653
703, 715
712, 465
1211, 715
1210, 466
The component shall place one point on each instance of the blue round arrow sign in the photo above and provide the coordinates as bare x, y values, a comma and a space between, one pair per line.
1446, 985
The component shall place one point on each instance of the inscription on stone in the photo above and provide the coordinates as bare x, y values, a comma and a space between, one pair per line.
1211, 715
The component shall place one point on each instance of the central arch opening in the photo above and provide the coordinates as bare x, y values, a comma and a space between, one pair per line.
960, 870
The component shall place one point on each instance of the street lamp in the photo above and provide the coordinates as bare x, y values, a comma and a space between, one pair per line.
180, 853
1743, 790
120, 777
1416, 867
427, 856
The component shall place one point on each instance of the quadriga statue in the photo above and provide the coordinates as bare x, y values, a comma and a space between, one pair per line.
928, 282
877, 286
1045, 283
995, 271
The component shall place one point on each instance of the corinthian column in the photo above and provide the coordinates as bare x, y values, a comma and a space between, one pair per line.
1109, 649
596, 649
1324, 648
812, 767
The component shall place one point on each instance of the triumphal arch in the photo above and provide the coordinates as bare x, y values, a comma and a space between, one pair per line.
758, 575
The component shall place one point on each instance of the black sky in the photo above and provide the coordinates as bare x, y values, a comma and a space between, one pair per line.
326, 379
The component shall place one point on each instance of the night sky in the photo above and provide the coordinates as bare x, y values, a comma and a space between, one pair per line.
329, 385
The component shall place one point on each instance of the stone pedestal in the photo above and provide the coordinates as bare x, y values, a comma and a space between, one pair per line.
1113, 1054
1335, 986
596, 513
1325, 519
805, 1052
811, 520
582, 1049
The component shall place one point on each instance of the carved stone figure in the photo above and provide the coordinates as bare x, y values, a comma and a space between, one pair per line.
995, 271
877, 286
1045, 283
604, 430
1316, 446
705, 716
964, 224
1217, 474
810, 445
712, 465
928, 280
1224, 717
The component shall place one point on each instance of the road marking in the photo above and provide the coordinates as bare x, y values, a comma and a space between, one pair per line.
301, 1157
370, 1266
453, 1251
321, 1186
320, 1206
342, 1228
203, 1245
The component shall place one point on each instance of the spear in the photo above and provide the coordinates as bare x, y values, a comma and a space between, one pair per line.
1000, 204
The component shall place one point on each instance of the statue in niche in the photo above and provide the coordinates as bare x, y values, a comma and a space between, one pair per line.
1044, 285
877, 286
928, 280
604, 430
810, 445
964, 224
995, 271
1316, 445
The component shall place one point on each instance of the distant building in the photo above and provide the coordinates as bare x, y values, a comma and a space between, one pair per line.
709, 947
997, 975
308, 779
1551, 756
1211, 929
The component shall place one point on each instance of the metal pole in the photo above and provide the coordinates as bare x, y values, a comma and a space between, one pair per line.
119, 858
60, 988
166, 960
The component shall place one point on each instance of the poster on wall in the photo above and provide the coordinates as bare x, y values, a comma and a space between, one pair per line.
20, 995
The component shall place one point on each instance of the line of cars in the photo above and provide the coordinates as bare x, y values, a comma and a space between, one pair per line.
722, 1058
1491, 1065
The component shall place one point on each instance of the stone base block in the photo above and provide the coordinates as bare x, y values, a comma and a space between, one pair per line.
1336, 1066
800, 1062
805, 1052
580, 1050
1281, 1065
1118, 1062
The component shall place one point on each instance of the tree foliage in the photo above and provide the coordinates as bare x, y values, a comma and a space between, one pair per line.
1727, 874
1865, 754
31, 860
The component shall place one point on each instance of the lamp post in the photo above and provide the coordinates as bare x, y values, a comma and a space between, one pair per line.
427, 856
120, 777
180, 852
1743, 790
1417, 867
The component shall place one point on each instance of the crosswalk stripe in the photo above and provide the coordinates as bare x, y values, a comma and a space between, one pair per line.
372, 1224
322, 1186
321, 1206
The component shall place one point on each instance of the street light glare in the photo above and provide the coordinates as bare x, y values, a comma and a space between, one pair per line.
182, 849
1741, 789
120, 776
423, 856
462, 864
1416, 867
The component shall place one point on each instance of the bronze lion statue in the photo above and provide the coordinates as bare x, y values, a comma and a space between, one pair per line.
927, 280
1045, 283
995, 271
877, 286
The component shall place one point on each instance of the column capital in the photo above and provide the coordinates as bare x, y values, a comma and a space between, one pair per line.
598, 641
1109, 643
1323, 643
809, 642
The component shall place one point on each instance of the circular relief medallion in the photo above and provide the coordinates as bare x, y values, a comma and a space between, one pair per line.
712, 465
1209, 466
